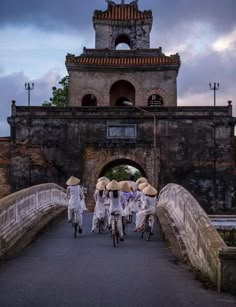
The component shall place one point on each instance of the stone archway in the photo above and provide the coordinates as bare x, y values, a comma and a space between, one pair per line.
121, 90
98, 159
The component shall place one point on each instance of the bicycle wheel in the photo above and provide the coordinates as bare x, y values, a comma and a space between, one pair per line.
117, 235
148, 233
114, 240
75, 226
123, 225
75, 222
104, 224
99, 226
113, 231
130, 219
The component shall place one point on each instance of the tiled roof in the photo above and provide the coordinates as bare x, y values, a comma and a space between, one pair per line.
122, 12
109, 61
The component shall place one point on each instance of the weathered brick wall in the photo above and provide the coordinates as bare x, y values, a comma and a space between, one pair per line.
192, 159
5, 187
30, 165
194, 144
99, 84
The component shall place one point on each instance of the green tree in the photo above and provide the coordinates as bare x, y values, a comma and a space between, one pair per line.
121, 172
59, 95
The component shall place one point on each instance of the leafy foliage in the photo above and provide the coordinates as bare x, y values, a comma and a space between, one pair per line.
59, 95
229, 236
122, 172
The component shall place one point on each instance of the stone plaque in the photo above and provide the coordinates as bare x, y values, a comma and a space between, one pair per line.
121, 131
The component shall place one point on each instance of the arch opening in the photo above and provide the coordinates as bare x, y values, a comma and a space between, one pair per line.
122, 42
89, 100
122, 169
121, 91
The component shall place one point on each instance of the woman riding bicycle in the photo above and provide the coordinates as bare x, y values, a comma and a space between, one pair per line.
149, 206
75, 195
128, 195
99, 197
115, 200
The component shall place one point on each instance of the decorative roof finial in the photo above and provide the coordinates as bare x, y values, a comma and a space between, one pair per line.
134, 3
109, 2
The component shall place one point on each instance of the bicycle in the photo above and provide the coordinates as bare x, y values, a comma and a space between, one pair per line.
147, 227
114, 229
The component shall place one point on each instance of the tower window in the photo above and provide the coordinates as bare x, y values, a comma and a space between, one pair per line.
122, 42
89, 100
155, 100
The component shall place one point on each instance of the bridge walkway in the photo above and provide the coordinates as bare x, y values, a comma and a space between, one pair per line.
57, 270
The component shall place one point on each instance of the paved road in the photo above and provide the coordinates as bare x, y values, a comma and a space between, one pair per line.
57, 270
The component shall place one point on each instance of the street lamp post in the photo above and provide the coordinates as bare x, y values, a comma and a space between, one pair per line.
29, 87
214, 88
129, 103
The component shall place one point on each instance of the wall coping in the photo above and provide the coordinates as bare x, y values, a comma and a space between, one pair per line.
11, 198
162, 112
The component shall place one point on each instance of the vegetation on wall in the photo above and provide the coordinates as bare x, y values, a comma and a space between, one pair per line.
59, 94
229, 236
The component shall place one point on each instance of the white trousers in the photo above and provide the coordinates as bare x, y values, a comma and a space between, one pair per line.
118, 219
80, 217
140, 217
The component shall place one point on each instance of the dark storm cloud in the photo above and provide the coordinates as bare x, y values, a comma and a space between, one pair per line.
77, 14
168, 13
203, 69
53, 15
12, 88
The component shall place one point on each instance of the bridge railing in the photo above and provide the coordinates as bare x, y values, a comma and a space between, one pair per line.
25, 212
198, 241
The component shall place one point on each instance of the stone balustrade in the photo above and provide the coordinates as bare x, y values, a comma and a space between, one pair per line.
24, 213
192, 236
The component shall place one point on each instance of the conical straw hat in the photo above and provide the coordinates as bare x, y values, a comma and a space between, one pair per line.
103, 182
104, 179
143, 185
113, 185
125, 186
101, 185
72, 181
141, 180
121, 183
150, 190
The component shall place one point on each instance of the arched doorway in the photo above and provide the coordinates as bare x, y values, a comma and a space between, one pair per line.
120, 91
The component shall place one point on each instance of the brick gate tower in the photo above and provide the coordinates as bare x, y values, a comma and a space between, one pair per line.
109, 75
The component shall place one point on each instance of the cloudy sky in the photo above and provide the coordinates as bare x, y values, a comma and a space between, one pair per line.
35, 37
